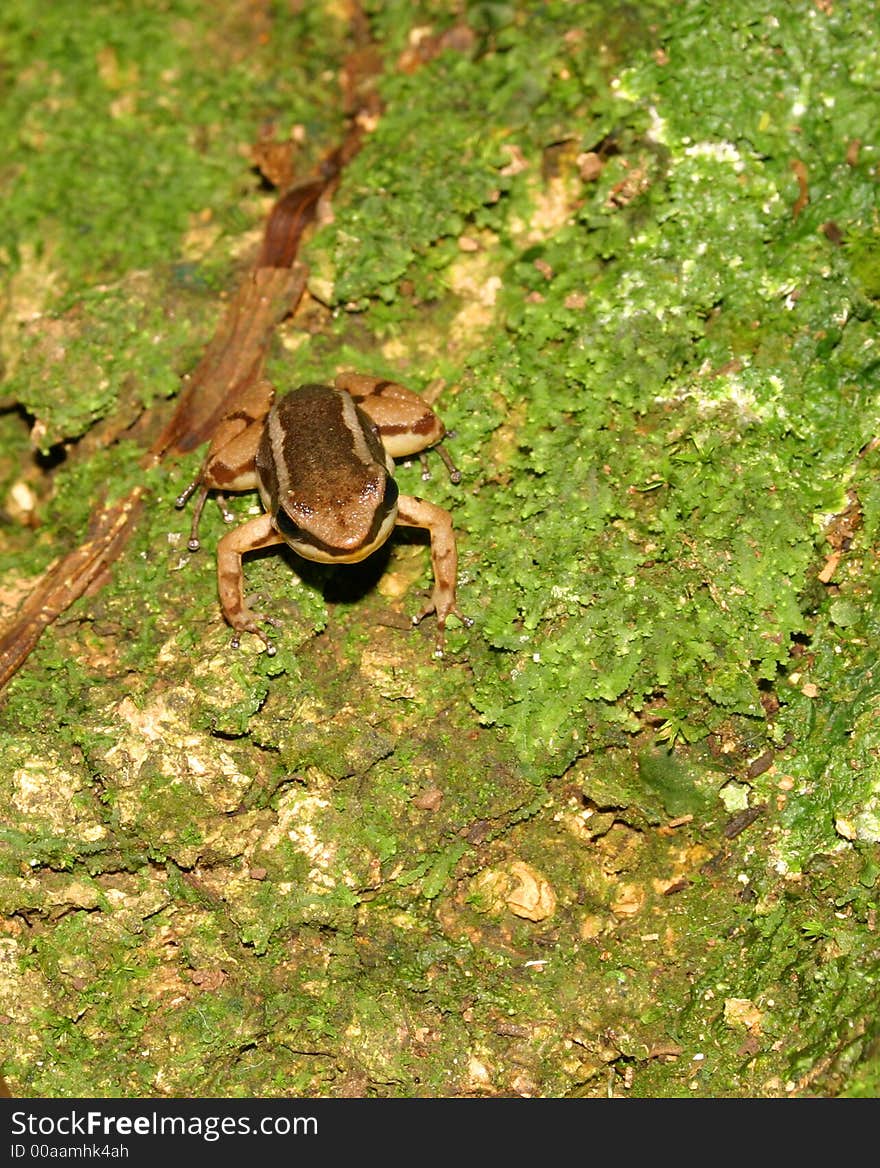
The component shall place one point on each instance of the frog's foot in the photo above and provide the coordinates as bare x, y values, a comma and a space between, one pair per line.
225, 510
445, 457
248, 621
443, 610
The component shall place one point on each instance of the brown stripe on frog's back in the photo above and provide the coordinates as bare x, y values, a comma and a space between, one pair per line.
366, 445
318, 444
290, 431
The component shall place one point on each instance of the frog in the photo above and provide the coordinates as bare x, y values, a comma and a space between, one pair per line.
322, 459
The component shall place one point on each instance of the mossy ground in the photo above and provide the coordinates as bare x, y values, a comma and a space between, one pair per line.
623, 838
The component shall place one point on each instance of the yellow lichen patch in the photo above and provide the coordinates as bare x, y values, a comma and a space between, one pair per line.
517, 887
149, 726
381, 670
532, 897
590, 927
628, 900
121, 79
686, 859
134, 899
44, 796
743, 1012
552, 205
620, 848
161, 734
475, 277
300, 821
586, 824
478, 1073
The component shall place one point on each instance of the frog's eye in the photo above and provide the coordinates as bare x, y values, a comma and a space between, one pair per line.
287, 527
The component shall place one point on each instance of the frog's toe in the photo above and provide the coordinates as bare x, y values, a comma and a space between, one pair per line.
255, 616
249, 621
442, 611
235, 643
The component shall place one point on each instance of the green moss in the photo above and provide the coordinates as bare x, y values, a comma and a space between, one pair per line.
245, 876
141, 97
130, 342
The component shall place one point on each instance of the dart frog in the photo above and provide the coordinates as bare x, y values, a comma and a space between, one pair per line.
322, 460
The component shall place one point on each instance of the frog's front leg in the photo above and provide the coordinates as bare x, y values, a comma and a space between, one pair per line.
415, 512
256, 533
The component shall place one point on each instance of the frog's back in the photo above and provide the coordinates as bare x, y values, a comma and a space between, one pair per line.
322, 464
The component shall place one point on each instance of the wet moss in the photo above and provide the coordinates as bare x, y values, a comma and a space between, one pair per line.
622, 838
